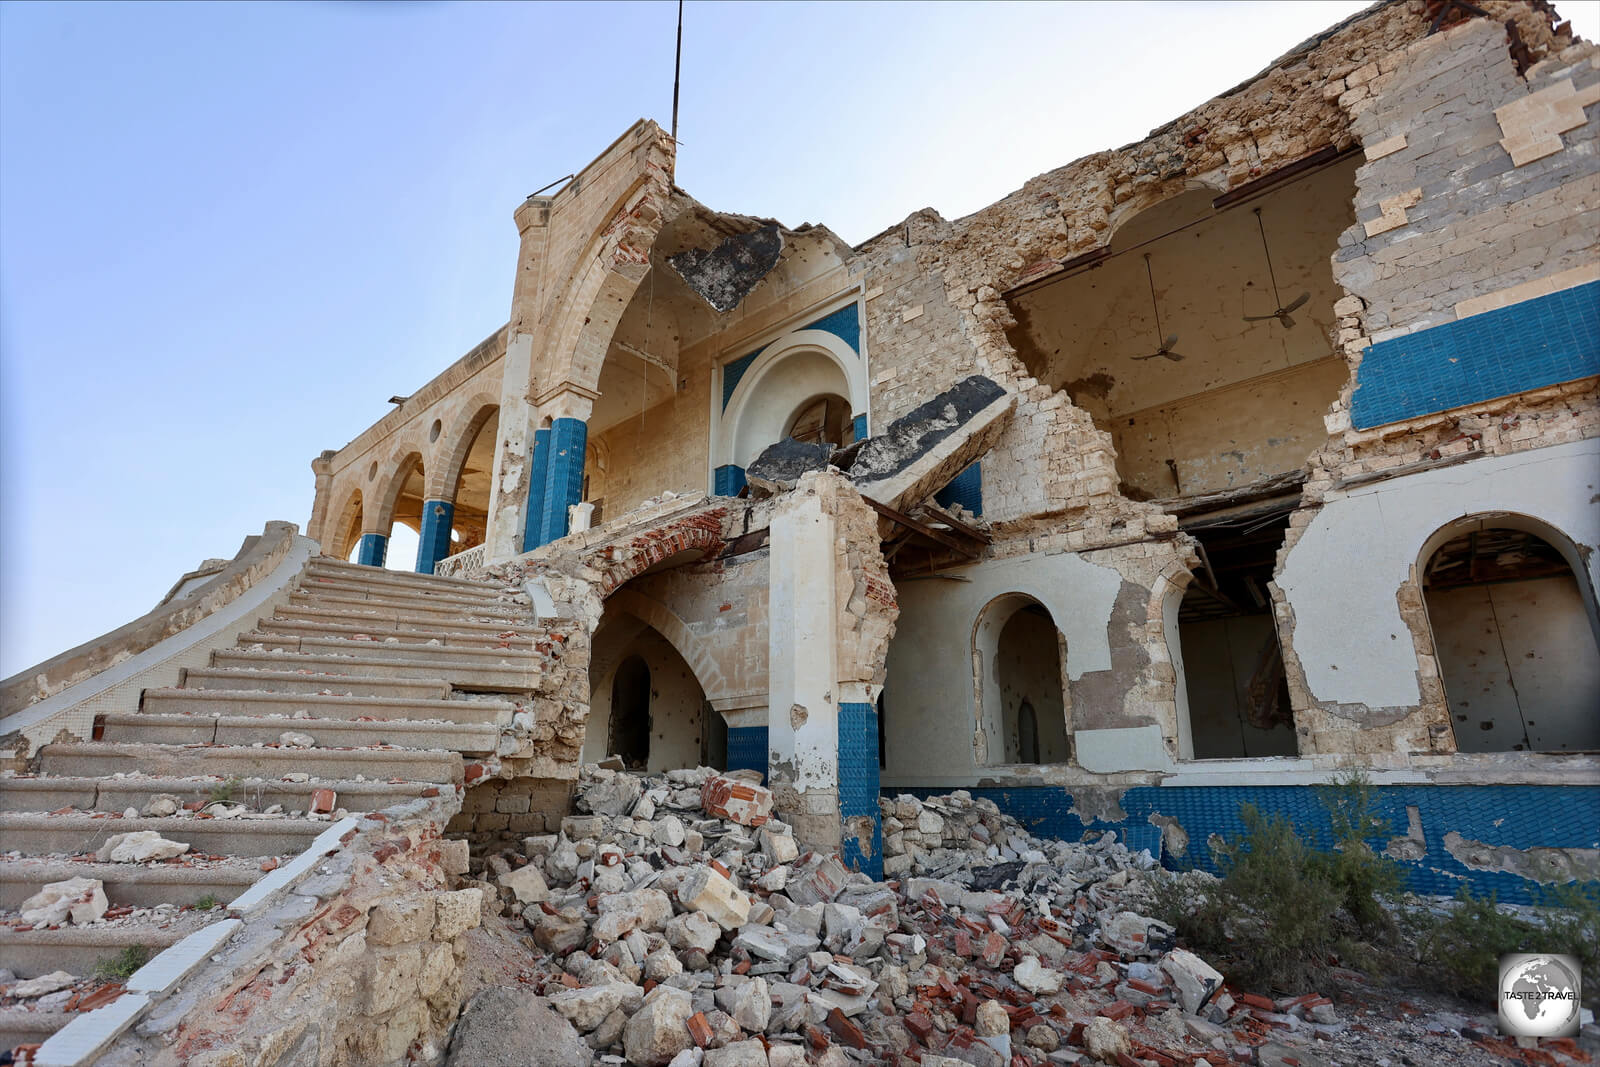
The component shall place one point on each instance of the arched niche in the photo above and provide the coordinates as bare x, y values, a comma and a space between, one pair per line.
646, 703
1514, 627
1019, 661
790, 372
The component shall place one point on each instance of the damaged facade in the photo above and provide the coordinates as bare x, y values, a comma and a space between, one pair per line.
1202, 471
1283, 465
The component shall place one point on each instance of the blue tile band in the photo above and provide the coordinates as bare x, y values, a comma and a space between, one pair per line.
1517, 816
860, 424
747, 749
858, 785
438, 516
729, 480
844, 324
965, 489
563, 486
1544, 341
538, 470
373, 549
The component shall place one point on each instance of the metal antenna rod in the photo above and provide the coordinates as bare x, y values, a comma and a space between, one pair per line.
677, 71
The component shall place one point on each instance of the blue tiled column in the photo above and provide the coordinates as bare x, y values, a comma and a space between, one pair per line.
860, 424
729, 480
434, 543
747, 749
858, 788
563, 486
538, 470
373, 549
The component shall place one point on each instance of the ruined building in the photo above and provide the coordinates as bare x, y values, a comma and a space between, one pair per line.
1200, 471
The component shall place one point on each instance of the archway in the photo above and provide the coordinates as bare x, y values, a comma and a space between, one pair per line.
346, 541
400, 522
1019, 659
469, 473
823, 419
1513, 626
645, 703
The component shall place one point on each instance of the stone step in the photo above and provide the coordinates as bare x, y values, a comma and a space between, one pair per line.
76, 950
465, 603
133, 884
99, 759
236, 680
474, 675
509, 638
22, 1026
245, 730
402, 622
494, 611
387, 650
243, 703
79, 833
339, 568
47, 793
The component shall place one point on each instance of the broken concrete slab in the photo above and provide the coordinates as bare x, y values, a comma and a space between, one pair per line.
725, 275
918, 453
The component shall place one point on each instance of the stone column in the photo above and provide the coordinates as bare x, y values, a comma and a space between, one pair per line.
539, 467
322, 468
374, 547
438, 516
803, 716
563, 486
831, 613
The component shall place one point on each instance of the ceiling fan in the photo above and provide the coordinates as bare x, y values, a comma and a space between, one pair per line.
1165, 351
1282, 314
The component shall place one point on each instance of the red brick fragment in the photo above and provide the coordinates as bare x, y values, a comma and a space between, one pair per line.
700, 1031
845, 1030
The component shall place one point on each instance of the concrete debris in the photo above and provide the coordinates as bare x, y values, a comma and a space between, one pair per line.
501, 1026
81, 900
725, 275
138, 846
688, 927
44, 985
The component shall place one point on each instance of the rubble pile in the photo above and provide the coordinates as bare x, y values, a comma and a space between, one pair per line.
678, 923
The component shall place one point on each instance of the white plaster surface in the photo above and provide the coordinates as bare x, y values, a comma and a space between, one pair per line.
929, 700
84, 1038
801, 653
1342, 577
1131, 748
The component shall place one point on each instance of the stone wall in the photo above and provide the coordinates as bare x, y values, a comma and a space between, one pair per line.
360, 963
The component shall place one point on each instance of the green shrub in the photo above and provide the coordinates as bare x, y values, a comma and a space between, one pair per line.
123, 964
1283, 913
207, 902
1460, 951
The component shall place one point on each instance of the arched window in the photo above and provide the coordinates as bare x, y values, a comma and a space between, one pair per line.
1514, 632
822, 420
1018, 656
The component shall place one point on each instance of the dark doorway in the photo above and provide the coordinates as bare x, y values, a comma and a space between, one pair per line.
630, 712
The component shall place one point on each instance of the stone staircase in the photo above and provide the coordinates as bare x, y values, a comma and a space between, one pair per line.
370, 684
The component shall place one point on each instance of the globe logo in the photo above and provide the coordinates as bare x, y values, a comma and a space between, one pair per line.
1539, 995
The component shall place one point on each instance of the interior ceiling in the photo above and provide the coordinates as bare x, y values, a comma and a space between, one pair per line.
1082, 332
472, 492
666, 316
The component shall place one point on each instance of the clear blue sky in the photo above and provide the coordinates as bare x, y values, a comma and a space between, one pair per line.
229, 232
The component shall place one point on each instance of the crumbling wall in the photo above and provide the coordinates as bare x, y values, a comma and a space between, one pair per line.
360, 963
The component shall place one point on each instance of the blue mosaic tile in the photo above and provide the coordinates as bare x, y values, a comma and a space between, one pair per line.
858, 783
538, 469
1549, 339
373, 549
733, 372
434, 543
729, 480
747, 749
860, 425
563, 485
1517, 816
965, 489
844, 324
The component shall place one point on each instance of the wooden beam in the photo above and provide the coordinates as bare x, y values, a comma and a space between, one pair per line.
948, 540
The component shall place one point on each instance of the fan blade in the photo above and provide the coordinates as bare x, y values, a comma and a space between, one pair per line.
1301, 299
1288, 320
1171, 340
1175, 357
1152, 355
1260, 318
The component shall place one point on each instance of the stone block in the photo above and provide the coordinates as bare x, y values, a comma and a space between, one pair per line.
456, 913
399, 922
704, 890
